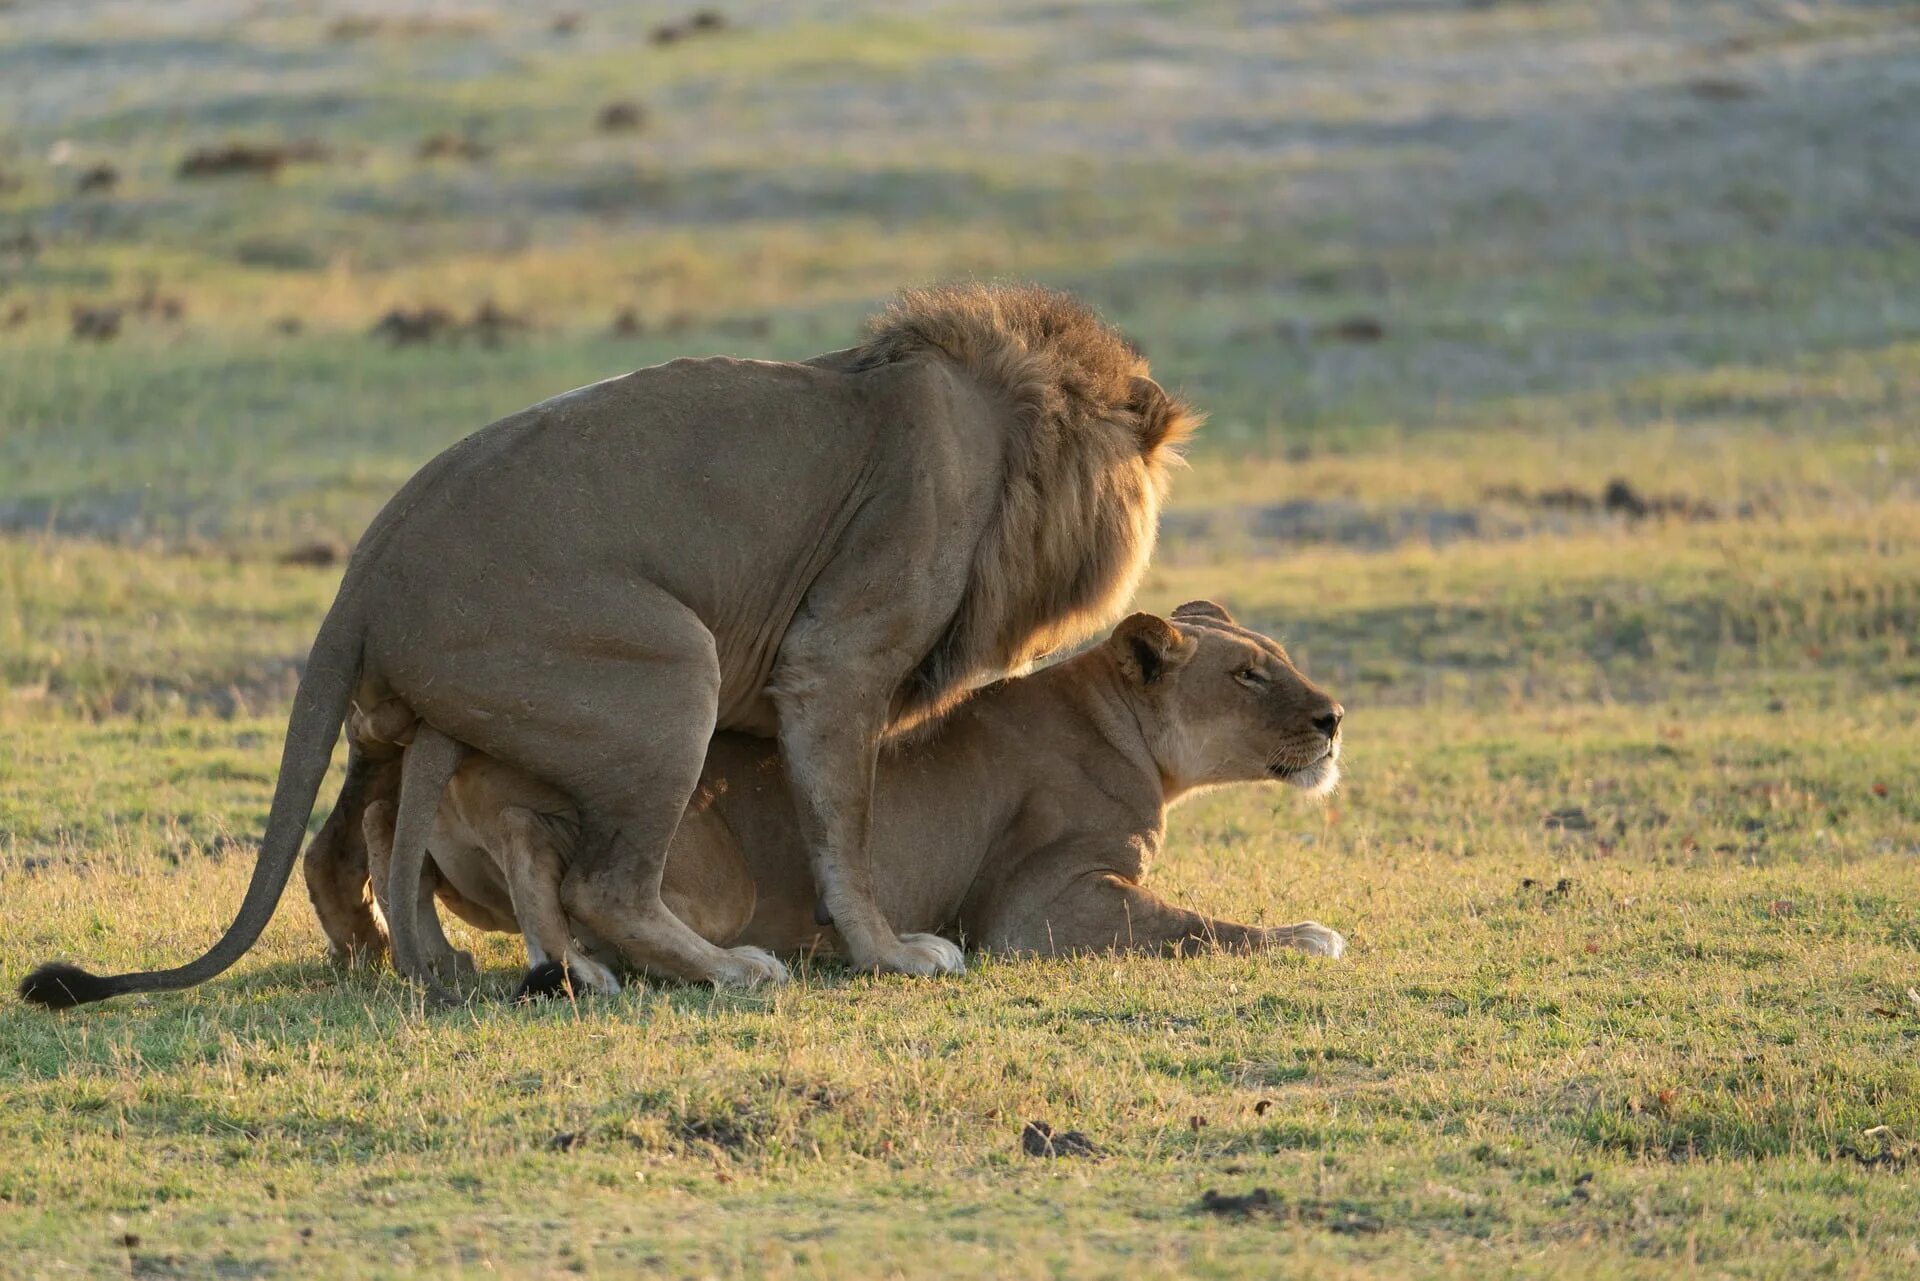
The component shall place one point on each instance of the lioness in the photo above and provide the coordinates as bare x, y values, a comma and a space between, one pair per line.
1027, 818
818, 552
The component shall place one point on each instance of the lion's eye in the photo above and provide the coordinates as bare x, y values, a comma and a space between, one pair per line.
1252, 679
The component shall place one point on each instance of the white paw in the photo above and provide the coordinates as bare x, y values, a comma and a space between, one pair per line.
590, 974
1316, 939
924, 954
749, 967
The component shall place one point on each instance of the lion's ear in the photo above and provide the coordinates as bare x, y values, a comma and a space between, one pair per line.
1164, 421
1205, 609
1149, 647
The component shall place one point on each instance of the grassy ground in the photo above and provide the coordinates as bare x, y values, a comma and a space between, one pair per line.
1630, 846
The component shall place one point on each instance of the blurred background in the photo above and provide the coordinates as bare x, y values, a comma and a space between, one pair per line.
1552, 347
1563, 359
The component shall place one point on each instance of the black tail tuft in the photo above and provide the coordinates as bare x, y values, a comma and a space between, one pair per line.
548, 979
59, 986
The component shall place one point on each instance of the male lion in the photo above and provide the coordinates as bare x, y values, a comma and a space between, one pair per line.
1027, 817
820, 552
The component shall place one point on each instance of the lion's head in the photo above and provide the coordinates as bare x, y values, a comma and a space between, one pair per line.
1222, 704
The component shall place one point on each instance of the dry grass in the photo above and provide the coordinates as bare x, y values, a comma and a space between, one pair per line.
1421, 261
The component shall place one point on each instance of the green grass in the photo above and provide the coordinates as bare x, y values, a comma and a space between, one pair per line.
1664, 242
1601, 1078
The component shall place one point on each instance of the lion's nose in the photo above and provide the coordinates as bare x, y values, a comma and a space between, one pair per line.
1328, 722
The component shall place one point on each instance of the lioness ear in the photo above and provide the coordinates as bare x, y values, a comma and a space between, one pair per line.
1164, 421
1205, 609
1150, 647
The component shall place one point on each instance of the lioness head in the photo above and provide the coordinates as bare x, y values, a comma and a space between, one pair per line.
1222, 704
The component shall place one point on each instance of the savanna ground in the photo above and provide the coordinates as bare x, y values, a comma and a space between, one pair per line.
1630, 851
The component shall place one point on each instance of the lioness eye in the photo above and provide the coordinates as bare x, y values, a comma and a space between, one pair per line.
1250, 678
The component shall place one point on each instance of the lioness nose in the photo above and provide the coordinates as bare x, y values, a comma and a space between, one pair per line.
1328, 722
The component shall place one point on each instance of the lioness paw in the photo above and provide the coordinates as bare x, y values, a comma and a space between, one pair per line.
748, 967
923, 954
1315, 939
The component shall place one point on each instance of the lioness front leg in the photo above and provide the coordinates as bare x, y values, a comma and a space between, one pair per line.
535, 863
1105, 912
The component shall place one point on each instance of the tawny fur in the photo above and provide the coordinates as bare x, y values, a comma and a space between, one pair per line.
1084, 403
1028, 818
588, 590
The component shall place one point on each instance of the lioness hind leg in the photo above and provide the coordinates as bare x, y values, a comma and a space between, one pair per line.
534, 861
335, 865
441, 956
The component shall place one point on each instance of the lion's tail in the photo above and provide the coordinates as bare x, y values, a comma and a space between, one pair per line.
319, 709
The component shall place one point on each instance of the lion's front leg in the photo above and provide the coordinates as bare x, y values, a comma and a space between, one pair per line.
832, 693
1100, 911
830, 759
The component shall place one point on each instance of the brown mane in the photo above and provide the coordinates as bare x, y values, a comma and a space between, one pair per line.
1090, 441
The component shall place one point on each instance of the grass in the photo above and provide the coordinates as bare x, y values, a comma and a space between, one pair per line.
1627, 850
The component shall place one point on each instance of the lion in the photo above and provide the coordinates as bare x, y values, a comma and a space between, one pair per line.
1027, 819
822, 552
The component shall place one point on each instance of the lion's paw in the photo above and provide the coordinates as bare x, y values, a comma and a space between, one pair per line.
922, 954
748, 967
1316, 939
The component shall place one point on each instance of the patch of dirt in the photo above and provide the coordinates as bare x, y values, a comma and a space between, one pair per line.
102, 178
452, 146
318, 554
624, 116
1362, 329
719, 1132
701, 22
1042, 1140
1260, 1201
493, 324
1620, 497
257, 159
406, 326
1720, 89
360, 26
1305, 521
96, 323
1568, 818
